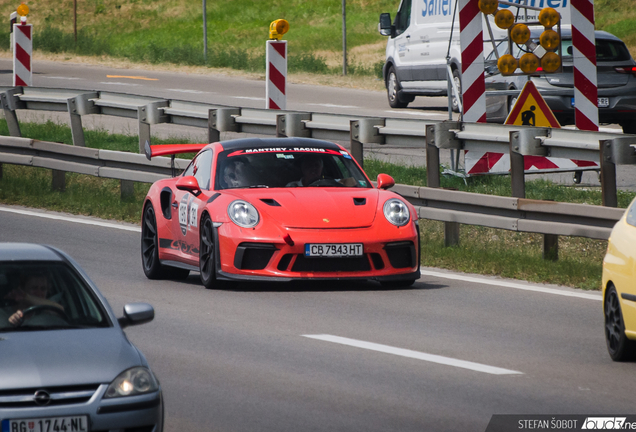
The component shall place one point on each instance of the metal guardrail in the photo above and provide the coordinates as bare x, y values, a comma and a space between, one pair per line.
515, 214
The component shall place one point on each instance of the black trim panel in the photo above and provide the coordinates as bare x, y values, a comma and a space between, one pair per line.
629, 297
108, 409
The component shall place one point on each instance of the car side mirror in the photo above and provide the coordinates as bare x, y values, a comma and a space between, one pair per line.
135, 314
385, 181
384, 26
189, 184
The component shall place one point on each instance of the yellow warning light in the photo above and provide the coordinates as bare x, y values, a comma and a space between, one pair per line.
507, 64
520, 34
278, 28
23, 10
549, 17
504, 19
488, 6
550, 62
529, 63
550, 40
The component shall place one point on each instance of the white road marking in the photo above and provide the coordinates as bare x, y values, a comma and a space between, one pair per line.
62, 78
333, 106
191, 91
418, 113
535, 288
70, 219
119, 83
448, 361
248, 97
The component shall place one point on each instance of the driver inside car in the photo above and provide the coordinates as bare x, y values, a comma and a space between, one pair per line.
33, 292
311, 167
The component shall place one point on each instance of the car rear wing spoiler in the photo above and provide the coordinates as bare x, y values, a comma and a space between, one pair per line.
172, 150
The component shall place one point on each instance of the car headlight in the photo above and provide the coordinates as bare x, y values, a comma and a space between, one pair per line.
243, 214
134, 381
396, 212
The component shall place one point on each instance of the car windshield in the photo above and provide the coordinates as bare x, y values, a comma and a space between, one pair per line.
46, 296
606, 50
288, 167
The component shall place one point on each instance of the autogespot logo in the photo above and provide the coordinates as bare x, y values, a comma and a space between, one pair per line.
605, 423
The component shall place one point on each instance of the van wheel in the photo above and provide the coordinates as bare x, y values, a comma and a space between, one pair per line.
393, 90
458, 82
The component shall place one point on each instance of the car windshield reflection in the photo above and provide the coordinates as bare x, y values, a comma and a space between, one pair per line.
46, 296
280, 168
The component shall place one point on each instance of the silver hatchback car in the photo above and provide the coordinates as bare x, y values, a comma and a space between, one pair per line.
65, 363
616, 82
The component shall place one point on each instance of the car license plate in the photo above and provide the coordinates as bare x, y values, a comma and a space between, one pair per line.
48, 424
603, 102
333, 249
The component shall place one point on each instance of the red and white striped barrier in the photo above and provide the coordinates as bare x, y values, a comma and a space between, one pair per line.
276, 75
585, 84
484, 162
22, 54
472, 45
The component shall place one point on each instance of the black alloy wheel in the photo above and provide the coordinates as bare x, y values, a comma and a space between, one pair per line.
150, 245
619, 347
458, 83
207, 257
153, 269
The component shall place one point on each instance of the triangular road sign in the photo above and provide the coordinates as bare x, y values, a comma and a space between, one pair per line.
531, 109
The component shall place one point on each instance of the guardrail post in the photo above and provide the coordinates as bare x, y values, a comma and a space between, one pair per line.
10, 103
292, 125
148, 115
616, 151
77, 107
550, 247
441, 135
58, 180
222, 120
524, 142
364, 131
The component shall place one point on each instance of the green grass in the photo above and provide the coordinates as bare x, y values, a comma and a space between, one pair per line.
482, 250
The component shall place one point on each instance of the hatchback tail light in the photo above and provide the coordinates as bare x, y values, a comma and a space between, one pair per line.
538, 72
626, 70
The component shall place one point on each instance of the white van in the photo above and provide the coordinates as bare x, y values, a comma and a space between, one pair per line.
415, 63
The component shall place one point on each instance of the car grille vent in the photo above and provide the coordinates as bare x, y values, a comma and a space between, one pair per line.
378, 263
284, 262
253, 256
331, 264
401, 254
67, 395
270, 202
134, 429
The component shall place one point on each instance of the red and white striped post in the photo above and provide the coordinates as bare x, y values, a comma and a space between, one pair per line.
276, 75
22, 54
472, 45
584, 46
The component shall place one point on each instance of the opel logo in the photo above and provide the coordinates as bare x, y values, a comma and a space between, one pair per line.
42, 397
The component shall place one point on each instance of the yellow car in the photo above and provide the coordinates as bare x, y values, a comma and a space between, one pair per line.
619, 288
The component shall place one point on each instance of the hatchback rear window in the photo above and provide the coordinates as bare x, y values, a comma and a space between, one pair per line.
606, 50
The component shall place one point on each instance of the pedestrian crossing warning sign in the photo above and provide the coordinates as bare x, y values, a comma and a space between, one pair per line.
531, 109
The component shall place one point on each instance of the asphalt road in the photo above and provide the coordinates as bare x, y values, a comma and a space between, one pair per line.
242, 360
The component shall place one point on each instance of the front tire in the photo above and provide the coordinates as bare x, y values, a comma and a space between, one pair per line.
207, 257
618, 346
458, 82
394, 90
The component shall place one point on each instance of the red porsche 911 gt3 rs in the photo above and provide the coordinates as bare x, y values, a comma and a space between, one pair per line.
276, 209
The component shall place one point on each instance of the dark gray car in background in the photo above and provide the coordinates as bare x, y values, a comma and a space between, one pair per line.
67, 365
616, 81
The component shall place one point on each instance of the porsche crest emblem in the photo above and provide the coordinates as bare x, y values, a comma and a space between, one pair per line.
325, 220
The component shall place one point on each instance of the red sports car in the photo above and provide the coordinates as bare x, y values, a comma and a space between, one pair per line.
276, 209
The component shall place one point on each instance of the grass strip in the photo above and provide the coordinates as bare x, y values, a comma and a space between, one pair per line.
482, 250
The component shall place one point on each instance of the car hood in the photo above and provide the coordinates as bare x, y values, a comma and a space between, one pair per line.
64, 357
316, 207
